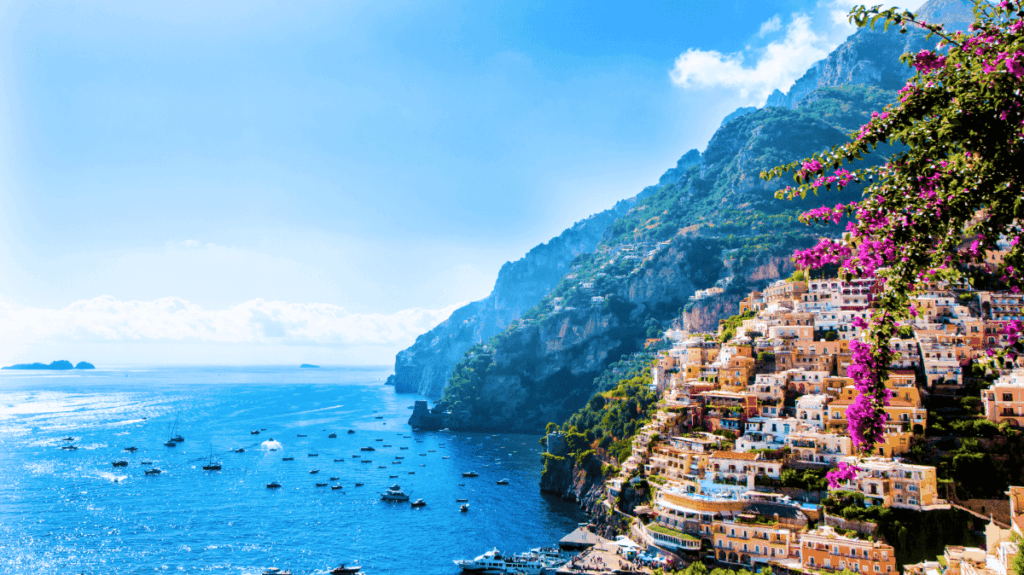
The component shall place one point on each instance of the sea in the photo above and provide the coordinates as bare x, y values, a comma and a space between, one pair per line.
70, 512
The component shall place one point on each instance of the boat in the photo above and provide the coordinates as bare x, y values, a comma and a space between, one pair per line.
431, 451
464, 508
339, 460
240, 450
170, 444
470, 474
175, 436
393, 476
378, 440
412, 473
394, 493
120, 463
68, 438
382, 467
69, 448
445, 457
321, 485
367, 449
396, 463
502, 482
211, 465
312, 455
131, 449
399, 457
387, 445
154, 471
356, 456
494, 562
254, 432
342, 570
146, 463
418, 503
301, 435
403, 448
273, 485
314, 471
552, 555
366, 461
335, 487
334, 478
276, 571
351, 431
461, 500
287, 459
379, 417
359, 484
332, 436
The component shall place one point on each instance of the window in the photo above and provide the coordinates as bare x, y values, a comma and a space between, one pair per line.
1007, 397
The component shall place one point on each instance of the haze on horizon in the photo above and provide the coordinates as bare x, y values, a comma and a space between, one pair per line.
266, 182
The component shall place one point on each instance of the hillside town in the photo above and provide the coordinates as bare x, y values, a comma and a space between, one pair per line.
767, 396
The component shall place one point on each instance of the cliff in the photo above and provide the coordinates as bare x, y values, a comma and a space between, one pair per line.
583, 484
425, 367
543, 369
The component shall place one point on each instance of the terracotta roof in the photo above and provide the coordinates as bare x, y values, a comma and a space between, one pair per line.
734, 455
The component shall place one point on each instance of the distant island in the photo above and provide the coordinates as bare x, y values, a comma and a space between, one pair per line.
307, 365
61, 364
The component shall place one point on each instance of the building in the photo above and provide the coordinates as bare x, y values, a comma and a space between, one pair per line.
811, 445
812, 410
892, 483
784, 291
738, 468
765, 433
1004, 401
752, 539
825, 549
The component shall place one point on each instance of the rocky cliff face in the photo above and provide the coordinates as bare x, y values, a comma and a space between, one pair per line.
583, 484
544, 370
425, 367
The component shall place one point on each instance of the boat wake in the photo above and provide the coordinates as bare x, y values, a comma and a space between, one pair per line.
271, 445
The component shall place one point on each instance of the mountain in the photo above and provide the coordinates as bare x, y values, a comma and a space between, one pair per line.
717, 225
872, 57
711, 223
425, 367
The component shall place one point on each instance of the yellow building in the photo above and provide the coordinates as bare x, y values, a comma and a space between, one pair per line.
750, 539
893, 483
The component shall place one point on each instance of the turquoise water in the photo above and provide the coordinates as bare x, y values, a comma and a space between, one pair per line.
72, 512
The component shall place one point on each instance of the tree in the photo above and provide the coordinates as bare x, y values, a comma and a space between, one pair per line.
1018, 560
950, 192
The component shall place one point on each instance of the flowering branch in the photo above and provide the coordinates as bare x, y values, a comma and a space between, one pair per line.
953, 192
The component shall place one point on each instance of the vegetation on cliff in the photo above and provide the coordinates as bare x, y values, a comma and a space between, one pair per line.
610, 419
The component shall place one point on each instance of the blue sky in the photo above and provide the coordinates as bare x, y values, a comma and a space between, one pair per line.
271, 182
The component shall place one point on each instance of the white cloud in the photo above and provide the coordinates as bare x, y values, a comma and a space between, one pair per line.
107, 319
777, 65
753, 73
773, 24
